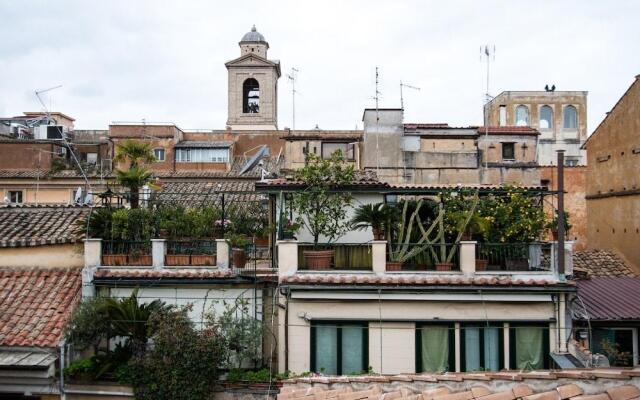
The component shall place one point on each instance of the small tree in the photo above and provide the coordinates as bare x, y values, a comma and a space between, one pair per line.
136, 154
322, 211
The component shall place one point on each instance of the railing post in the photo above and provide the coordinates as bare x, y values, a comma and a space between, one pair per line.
222, 253
92, 260
468, 257
379, 256
158, 250
287, 257
568, 257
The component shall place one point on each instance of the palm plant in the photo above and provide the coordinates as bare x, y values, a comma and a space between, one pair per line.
134, 152
133, 179
128, 318
379, 217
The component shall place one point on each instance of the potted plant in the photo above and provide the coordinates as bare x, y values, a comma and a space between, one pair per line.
238, 242
203, 256
377, 216
320, 209
139, 257
553, 225
289, 230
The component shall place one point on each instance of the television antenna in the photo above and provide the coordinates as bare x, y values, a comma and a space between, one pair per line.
292, 78
408, 87
44, 106
488, 53
377, 99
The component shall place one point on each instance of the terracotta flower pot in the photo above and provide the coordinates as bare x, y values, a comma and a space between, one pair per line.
377, 234
554, 235
176, 259
444, 266
203, 259
394, 266
140, 260
114, 259
239, 258
318, 259
481, 265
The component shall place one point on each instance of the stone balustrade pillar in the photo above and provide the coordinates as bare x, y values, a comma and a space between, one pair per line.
222, 253
468, 257
379, 256
287, 257
158, 250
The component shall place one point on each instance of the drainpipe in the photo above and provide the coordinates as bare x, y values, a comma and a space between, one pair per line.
286, 331
561, 232
63, 395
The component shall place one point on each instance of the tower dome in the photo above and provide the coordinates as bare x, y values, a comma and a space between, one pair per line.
253, 36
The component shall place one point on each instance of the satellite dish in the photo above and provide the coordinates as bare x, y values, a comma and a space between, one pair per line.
78, 197
88, 199
264, 150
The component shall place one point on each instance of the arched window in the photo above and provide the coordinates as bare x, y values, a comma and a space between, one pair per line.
250, 96
570, 117
546, 117
522, 116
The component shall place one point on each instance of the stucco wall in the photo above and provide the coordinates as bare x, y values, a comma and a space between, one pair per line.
53, 256
613, 181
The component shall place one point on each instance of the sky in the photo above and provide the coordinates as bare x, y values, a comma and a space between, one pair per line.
163, 61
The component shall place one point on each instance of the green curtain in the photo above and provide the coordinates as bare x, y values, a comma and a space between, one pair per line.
352, 351
529, 348
326, 348
435, 348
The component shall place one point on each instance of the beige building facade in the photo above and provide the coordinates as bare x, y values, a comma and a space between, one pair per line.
613, 182
559, 116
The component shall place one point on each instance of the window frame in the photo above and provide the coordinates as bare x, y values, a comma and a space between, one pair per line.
540, 117
528, 119
564, 117
546, 346
345, 154
338, 324
245, 95
502, 148
452, 343
20, 191
481, 325
164, 154
191, 155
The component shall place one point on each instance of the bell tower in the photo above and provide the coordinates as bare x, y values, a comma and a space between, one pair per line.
253, 86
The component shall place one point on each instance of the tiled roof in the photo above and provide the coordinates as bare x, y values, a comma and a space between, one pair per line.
270, 164
182, 273
426, 126
194, 193
506, 130
322, 135
411, 280
37, 225
585, 384
363, 178
607, 298
428, 186
36, 304
600, 263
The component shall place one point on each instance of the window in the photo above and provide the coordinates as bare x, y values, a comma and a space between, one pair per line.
339, 348
508, 151
250, 96
158, 154
435, 348
14, 196
503, 115
522, 116
546, 117
202, 155
92, 158
571, 162
481, 347
570, 118
619, 338
347, 150
529, 346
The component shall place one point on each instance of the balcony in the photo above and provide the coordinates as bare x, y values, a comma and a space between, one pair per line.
536, 259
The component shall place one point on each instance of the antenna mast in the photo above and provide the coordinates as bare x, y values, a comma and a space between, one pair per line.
292, 77
401, 97
377, 98
488, 53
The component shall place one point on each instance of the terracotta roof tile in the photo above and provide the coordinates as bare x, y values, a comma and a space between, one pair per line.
408, 280
182, 273
508, 130
36, 304
26, 225
600, 263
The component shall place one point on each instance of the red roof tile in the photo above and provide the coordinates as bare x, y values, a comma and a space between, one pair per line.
36, 304
163, 273
426, 125
411, 280
506, 130
600, 263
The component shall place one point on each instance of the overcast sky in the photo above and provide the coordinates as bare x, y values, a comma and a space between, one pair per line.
164, 60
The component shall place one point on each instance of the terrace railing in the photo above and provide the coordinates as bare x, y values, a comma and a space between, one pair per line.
126, 253
423, 257
192, 252
534, 256
346, 256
